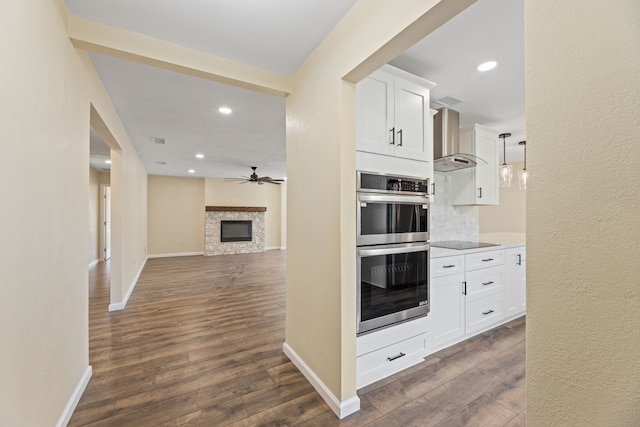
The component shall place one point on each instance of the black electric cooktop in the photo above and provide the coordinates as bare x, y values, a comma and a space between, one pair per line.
461, 244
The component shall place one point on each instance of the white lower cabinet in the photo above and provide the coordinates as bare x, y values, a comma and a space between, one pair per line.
473, 293
484, 313
469, 294
516, 276
390, 350
445, 321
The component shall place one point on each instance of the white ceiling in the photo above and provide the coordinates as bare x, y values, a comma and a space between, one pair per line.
278, 36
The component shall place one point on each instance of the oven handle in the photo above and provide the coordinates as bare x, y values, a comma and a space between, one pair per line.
393, 249
384, 198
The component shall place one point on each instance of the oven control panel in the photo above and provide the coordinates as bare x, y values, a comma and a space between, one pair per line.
368, 181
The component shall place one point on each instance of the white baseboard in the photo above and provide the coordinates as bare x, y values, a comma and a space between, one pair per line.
94, 262
121, 305
75, 398
341, 409
272, 248
175, 255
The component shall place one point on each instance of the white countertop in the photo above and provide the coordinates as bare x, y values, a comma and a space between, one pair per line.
505, 240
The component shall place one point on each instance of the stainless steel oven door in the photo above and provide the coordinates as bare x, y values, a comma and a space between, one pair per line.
393, 284
385, 218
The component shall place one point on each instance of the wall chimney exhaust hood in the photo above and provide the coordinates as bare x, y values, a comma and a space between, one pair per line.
446, 143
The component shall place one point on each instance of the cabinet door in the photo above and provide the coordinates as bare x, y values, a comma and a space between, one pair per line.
478, 185
515, 271
445, 320
413, 123
374, 119
487, 184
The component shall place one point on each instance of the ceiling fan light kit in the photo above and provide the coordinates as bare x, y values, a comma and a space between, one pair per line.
255, 178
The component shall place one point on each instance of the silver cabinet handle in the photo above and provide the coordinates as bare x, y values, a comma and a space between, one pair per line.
487, 312
519, 259
488, 283
448, 266
480, 190
464, 288
392, 131
487, 260
433, 188
400, 138
391, 359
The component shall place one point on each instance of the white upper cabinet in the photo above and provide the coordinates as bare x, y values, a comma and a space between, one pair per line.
478, 185
393, 116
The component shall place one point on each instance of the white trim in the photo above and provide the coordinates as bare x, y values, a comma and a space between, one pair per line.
121, 305
94, 262
75, 398
175, 255
283, 248
341, 409
272, 248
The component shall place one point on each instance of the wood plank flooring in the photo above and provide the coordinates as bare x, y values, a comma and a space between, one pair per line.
200, 344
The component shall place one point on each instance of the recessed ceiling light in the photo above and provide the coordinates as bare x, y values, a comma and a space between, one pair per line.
192, 171
200, 156
486, 66
225, 110
108, 162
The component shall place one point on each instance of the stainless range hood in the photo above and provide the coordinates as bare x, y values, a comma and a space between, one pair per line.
446, 143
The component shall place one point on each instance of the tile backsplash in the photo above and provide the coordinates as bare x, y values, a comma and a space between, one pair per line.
450, 222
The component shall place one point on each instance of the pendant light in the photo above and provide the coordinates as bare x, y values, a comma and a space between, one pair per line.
506, 171
522, 175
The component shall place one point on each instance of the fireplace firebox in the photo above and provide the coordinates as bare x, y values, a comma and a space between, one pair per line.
235, 231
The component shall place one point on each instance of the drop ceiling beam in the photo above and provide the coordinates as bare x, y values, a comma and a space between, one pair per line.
100, 38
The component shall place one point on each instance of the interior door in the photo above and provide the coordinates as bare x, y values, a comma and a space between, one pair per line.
106, 222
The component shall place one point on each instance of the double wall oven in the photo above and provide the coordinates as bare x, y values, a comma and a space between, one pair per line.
392, 249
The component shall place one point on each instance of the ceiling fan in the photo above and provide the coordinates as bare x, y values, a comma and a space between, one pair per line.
255, 178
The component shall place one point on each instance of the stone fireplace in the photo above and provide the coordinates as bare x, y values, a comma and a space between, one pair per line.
238, 239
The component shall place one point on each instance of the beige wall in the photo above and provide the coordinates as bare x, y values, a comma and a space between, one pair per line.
176, 210
219, 192
510, 215
47, 93
321, 213
582, 81
176, 215
273, 217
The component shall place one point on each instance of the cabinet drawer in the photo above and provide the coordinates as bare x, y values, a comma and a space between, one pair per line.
484, 282
484, 312
484, 259
447, 265
381, 363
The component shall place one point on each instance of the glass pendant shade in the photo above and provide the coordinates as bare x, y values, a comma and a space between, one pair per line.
506, 174
506, 171
522, 175
522, 179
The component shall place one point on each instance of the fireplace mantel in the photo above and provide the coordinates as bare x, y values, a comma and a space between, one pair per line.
235, 209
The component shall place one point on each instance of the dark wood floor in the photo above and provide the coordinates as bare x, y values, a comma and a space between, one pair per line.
200, 344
